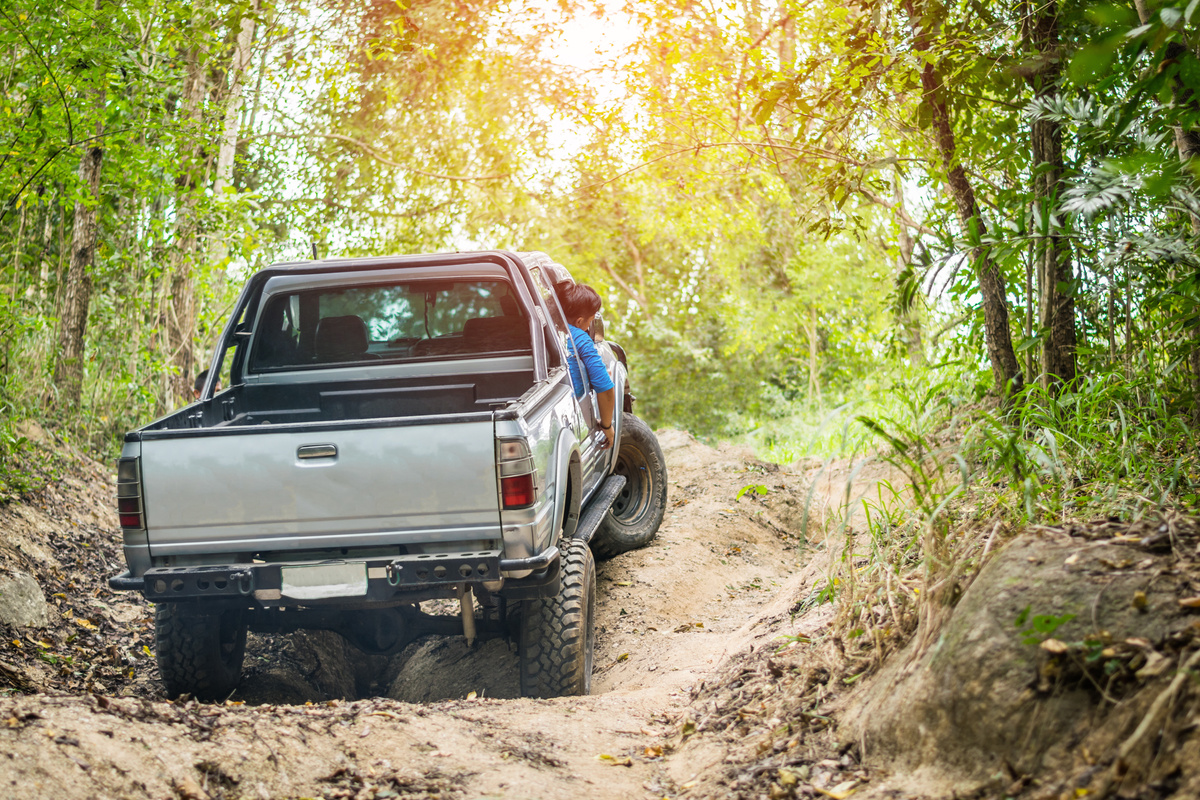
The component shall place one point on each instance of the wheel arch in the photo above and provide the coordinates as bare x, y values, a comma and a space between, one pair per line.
570, 475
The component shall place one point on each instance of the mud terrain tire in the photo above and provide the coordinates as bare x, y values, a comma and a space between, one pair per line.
199, 652
557, 634
637, 512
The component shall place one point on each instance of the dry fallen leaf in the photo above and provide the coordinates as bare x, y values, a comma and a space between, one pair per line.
188, 789
472, 695
839, 792
1156, 664
623, 583
616, 762
1190, 602
653, 751
1054, 646
623, 657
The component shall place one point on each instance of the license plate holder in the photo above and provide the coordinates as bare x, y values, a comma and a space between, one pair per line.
321, 581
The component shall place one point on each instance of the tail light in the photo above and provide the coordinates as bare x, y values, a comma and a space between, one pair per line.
518, 475
517, 491
129, 494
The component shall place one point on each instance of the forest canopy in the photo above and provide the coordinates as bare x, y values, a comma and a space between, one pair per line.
784, 205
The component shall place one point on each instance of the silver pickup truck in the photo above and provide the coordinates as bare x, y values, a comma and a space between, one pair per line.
391, 431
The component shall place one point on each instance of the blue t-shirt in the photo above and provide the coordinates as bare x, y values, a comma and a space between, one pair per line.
597, 375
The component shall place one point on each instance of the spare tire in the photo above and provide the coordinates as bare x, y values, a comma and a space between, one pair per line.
637, 513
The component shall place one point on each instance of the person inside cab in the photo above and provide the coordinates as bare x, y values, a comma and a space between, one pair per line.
198, 386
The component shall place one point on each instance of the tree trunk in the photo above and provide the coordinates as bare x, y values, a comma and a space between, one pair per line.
20, 243
814, 363
43, 261
907, 318
1055, 279
997, 336
77, 295
233, 107
181, 307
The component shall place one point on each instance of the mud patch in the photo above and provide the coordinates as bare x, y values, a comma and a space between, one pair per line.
444, 668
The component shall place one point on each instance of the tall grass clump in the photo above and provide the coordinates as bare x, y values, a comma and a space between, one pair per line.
953, 482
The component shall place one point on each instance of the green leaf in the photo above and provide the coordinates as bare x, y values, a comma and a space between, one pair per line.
1092, 61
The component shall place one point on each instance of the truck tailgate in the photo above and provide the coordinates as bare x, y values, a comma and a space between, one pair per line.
333, 487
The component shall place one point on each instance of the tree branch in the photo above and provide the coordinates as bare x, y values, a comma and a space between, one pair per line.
419, 212
629, 290
380, 157
17, 194
900, 212
50, 72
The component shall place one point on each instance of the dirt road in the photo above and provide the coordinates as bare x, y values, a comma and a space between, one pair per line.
725, 575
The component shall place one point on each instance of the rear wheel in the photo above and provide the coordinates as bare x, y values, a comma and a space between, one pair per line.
637, 513
199, 652
557, 634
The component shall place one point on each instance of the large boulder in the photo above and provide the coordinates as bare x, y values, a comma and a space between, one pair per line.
22, 603
991, 697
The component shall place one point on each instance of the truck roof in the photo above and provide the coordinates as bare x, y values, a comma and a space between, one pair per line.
532, 258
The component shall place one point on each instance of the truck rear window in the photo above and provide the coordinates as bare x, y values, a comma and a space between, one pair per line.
395, 322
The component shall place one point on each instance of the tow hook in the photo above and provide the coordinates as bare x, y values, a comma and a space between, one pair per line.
244, 581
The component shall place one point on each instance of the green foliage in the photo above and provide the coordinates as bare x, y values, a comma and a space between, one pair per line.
964, 476
1041, 627
757, 489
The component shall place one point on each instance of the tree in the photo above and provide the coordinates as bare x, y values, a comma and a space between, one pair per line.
1052, 248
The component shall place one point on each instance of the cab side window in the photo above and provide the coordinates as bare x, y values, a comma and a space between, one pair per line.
557, 320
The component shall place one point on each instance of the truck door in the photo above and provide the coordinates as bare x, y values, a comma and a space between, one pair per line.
592, 456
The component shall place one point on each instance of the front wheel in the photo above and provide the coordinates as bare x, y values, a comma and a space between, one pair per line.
637, 512
557, 634
199, 652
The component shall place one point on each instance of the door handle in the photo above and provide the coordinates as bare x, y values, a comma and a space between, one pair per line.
316, 451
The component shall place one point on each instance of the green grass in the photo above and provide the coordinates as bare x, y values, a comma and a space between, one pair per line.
834, 430
976, 474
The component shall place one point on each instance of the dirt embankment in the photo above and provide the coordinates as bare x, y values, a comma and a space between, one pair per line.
316, 718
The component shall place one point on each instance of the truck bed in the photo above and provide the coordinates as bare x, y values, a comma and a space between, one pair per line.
284, 403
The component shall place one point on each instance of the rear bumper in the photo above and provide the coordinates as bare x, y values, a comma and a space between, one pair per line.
387, 580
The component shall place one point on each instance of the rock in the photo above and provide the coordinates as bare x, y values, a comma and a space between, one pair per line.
22, 602
968, 706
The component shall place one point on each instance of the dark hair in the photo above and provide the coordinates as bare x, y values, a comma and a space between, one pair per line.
200, 379
577, 299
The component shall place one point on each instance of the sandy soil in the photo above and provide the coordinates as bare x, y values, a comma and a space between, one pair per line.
723, 581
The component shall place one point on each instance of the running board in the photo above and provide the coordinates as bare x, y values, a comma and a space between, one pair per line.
600, 504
